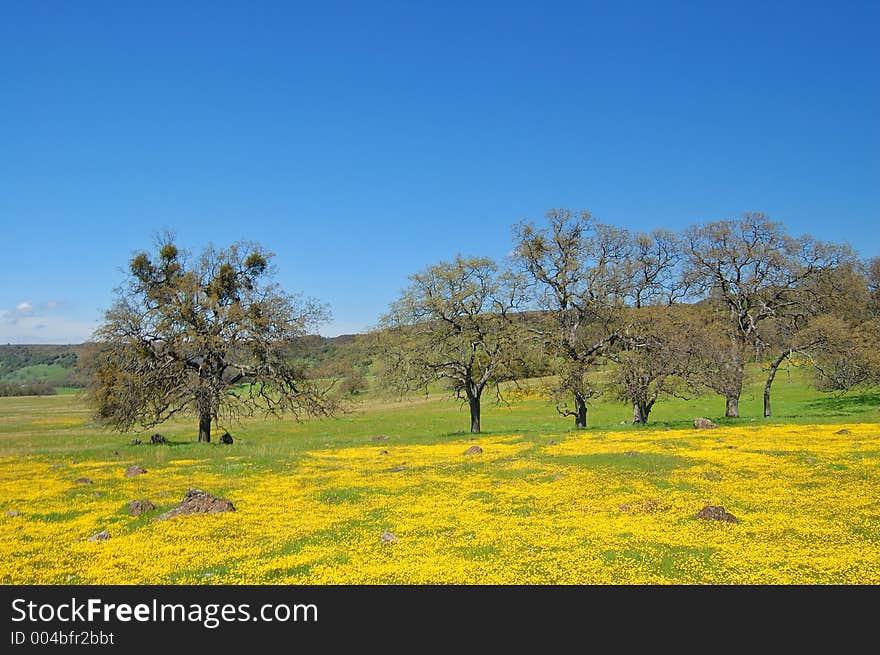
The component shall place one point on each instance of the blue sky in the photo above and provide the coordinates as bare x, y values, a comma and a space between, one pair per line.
362, 142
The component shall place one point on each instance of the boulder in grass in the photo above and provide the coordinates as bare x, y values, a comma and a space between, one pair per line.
135, 470
716, 513
197, 501
138, 507
103, 535
474, 450
704, 424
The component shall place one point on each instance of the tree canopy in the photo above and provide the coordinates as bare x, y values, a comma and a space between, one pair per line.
211, 334
456, 322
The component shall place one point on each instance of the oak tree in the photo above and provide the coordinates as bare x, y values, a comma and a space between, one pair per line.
456, 322
576, 266
654, 355
209, 334
751, 269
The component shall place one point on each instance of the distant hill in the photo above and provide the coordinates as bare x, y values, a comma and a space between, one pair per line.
28, 364
55, 366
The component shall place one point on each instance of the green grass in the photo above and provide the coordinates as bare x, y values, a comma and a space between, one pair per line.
61, 426
51, 373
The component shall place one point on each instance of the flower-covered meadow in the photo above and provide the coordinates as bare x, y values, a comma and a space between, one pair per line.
572, 508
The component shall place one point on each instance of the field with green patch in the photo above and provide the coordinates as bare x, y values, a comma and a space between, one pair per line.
542, 503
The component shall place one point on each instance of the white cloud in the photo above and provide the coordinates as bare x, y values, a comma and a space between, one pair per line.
25, 325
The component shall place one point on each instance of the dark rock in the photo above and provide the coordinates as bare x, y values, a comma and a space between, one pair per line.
474, 450
197, 501
388, 537
132, 471
843, 431
226, 439
83, 481
12, 513
136, 442
704, 424
158, 439
381, 437
138, 507
716, 513
103, 535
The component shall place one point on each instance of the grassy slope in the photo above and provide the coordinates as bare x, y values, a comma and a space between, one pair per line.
51, 373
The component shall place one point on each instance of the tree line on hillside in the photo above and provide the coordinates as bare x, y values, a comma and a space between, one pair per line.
9, 389
670, 313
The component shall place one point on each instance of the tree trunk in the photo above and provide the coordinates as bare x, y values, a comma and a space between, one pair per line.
205, 427
474, 404
580, 412
204, 404
640, 413
770, 377
734, 374
732, 406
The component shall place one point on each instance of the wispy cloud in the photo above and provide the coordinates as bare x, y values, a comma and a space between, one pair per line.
43, 323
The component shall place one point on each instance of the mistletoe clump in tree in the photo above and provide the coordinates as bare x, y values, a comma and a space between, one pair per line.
211, 334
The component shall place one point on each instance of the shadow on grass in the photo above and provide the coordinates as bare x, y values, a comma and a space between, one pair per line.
846, 404
176, 444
